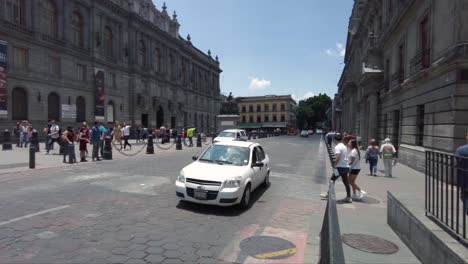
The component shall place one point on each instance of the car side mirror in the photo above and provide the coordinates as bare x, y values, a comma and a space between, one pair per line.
194, 157
258, 164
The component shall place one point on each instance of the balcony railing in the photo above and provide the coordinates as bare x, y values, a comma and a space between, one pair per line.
420, 61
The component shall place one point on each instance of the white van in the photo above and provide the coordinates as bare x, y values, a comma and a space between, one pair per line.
231, 135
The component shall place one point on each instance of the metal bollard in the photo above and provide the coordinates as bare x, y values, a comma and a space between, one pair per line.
178, 145
62, 146
32, 154
107, 153
150, 146
6, 140
250, 136
35, 140
199, 143
254, 135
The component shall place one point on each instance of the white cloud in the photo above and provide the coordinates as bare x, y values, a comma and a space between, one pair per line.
257, 84
304, 97
338, 51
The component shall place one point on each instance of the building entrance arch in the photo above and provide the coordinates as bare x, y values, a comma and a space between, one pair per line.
53, 106
159, 117
19, 106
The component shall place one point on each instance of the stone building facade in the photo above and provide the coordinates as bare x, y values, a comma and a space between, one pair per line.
406, 75
59, 52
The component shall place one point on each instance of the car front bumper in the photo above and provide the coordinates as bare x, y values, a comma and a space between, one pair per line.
215, 196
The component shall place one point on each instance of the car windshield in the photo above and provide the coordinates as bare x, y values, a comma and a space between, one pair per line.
227, 134
227, 155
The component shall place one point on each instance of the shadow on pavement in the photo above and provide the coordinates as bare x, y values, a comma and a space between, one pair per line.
231, 211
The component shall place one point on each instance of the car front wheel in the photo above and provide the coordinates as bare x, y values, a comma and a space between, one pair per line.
266, 182
245, 202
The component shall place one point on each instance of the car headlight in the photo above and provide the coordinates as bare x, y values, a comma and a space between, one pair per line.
181, 177
233, 183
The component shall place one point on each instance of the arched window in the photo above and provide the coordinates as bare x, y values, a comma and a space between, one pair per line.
49, 18
20, 104
157, 59
77, 29
15, 11
80, 109
53, 107
142, 53
108, 42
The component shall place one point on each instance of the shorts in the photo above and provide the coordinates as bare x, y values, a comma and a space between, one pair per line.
354, 172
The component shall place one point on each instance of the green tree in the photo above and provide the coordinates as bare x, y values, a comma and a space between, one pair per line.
312, 110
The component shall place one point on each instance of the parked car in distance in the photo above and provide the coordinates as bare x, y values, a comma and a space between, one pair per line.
319, 131
310, 132
304, 133
225, 174
231, 135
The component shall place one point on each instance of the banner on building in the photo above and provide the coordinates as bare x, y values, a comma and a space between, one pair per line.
99, 110
68, 111
110, 113
3, 79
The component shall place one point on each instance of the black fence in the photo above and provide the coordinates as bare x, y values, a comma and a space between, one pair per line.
446, 198
331, 247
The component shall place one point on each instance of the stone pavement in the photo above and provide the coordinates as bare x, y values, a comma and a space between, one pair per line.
370, 217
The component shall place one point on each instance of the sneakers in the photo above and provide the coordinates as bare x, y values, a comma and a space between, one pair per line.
46, 153
324, 195
356, 197
347, 200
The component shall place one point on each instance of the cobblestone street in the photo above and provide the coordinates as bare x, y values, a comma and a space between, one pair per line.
126, 211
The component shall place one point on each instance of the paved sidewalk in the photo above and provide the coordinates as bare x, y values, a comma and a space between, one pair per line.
370, 217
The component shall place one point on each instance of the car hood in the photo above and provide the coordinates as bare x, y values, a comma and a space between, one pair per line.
212, 171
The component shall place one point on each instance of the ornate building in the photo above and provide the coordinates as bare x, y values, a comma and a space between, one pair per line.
76, 60
406, 75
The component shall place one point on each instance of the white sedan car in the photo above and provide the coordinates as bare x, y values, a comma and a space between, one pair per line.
231, 135
225, 174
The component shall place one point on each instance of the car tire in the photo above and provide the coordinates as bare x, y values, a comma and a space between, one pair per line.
245, 202
266, 182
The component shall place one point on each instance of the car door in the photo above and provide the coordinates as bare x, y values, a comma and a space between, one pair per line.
262, 157
255, 170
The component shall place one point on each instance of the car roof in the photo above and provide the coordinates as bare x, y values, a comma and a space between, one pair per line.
232, 130
235, 143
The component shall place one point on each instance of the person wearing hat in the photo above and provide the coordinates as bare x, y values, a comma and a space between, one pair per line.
388, 154
461, 154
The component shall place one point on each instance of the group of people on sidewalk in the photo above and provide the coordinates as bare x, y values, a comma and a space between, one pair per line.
347, 163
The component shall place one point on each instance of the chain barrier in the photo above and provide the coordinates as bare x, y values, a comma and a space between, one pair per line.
157, 144
131, 154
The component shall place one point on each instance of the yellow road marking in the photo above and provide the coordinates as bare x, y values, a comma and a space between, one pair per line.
289, 251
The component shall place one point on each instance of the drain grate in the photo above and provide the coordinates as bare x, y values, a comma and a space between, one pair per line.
371, 244
267, 247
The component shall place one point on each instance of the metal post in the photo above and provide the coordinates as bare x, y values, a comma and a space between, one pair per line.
107, 152
150, 147
35, 140
199, 143
32, 153
62, 146
6, 140
250, 136
178, 145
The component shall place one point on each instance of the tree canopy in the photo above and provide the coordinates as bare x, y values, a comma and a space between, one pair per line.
312, 110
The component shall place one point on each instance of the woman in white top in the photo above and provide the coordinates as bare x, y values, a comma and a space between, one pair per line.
354, 163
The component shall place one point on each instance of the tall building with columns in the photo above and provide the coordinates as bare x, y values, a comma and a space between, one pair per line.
108, 60
406, 75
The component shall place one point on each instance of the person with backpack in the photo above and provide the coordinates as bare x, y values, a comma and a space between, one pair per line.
388, 154
372, 157
354, 163
96, 137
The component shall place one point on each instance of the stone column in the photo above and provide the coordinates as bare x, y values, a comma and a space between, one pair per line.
372, 115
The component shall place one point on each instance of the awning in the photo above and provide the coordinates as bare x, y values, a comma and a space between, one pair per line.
250, 126
275, 124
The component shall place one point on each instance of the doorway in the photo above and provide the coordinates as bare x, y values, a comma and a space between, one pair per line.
159, 117
53, 107
173, 122
144, 120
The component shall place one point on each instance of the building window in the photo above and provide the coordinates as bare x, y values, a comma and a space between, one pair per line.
424, 31
259, 119
251, 108
142, 53
20, 58
243, 119
283, 107
275, 119
54, 66
157, 59
81, 72
243, 109
108, 42
259, 108
77, 29
15, 11
420, 125
266, 107
283, 119
274, 107
266, 118
113, 82
49, 18
390, 8
401, 64
251, 119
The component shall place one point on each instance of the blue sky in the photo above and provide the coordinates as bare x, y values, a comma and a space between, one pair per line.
269, 46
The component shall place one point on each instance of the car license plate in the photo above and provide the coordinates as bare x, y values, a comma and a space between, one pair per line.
200, 194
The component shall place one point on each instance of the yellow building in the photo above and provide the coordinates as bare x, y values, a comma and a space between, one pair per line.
267, 112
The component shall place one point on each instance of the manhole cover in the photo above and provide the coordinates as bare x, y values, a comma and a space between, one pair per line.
369, 200
371, 244
267, 247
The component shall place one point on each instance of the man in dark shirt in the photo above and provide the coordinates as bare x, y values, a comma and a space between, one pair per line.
462, 180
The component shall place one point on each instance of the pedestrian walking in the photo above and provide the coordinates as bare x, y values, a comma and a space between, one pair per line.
96, 136
68, 139
104, 132
17, 134
83, 138
354, 163
388, 154
126, 134
24, 131
461, 155
117, 134
190, 133
145, 134
340, 167
138, 130
54, 135
372, 157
